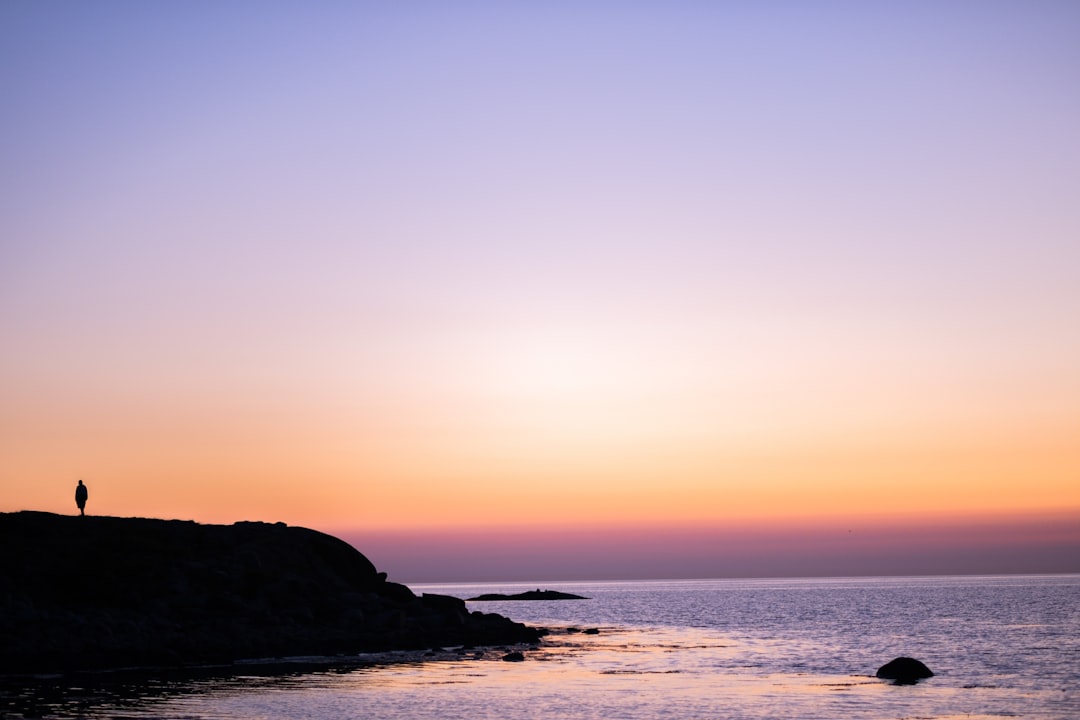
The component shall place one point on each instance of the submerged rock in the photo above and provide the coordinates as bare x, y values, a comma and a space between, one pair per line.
904, 671
98, 592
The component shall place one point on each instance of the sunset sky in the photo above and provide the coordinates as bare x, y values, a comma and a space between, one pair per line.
552, 290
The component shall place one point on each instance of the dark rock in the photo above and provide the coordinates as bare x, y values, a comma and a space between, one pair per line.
904, 671
530, 595
514, 657
97, 592
443, 603
592, 631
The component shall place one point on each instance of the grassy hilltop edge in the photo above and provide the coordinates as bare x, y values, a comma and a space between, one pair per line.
80, 593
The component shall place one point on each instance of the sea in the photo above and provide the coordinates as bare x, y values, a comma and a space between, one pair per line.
999, 647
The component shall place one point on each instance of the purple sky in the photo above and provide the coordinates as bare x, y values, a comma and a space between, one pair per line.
389, 267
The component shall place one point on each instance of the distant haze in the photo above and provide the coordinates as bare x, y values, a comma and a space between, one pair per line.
989, 546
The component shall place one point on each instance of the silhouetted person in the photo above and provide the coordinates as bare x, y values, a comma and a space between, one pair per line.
80, 497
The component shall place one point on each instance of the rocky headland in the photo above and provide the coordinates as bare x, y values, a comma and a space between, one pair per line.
80, 593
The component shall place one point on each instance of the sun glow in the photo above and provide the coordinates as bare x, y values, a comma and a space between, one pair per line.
562, 364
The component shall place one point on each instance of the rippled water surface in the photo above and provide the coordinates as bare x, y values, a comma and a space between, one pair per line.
1000, 647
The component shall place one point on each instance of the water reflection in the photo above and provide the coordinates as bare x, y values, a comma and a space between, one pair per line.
809, 652
615, 661
620, 670
137, 692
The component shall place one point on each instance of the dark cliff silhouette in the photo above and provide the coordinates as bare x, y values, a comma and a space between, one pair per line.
100, 592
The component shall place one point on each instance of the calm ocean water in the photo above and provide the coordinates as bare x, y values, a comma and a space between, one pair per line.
1002, 647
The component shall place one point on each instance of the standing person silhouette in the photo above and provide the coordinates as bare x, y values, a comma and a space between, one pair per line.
80, 497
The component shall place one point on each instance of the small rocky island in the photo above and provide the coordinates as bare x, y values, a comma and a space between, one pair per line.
79, 593
529, 595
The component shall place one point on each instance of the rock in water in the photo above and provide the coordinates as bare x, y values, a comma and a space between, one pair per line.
904, 671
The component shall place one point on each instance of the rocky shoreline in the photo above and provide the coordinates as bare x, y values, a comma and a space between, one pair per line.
85, 593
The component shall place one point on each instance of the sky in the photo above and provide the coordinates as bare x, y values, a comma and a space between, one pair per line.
592, 290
